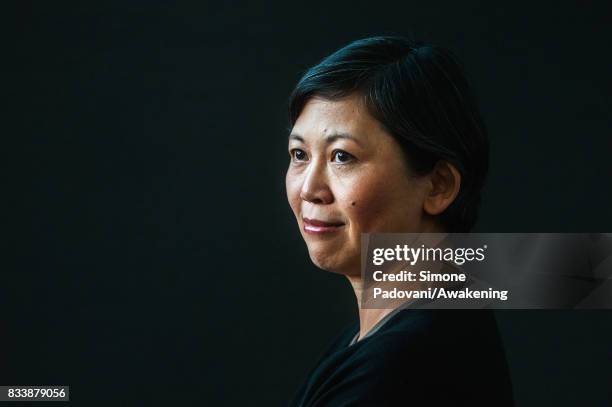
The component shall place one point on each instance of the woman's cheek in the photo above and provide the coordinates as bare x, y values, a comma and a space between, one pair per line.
292, 186
365, 206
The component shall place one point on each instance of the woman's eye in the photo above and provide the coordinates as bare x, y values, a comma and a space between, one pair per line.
340, 156
298, 155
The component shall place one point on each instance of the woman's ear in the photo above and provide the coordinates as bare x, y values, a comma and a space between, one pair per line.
445, 182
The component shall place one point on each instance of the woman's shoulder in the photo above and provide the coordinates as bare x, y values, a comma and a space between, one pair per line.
436, 335
448, 355
463, 323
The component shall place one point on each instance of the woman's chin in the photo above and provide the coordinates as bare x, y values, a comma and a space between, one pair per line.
335, 263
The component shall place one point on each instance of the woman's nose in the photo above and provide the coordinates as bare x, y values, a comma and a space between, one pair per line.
315, 188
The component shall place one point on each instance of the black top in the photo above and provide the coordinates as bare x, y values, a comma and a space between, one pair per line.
418, 357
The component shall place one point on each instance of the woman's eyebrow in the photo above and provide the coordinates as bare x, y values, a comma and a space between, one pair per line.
297, 137
330, 138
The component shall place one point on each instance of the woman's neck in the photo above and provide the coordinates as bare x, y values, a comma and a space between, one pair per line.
368, 318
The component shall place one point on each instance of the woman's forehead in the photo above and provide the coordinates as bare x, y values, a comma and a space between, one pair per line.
327, 118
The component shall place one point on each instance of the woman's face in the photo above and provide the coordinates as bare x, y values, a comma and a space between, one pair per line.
348, 176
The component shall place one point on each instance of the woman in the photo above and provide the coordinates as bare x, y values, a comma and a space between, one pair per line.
386, 137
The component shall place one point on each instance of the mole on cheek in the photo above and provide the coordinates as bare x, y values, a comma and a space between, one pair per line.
353, 203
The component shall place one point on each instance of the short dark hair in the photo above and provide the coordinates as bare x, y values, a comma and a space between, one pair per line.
420, 95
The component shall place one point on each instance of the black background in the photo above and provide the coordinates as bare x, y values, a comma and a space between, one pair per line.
151, 256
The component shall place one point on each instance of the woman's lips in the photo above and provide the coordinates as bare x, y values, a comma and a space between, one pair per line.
315, 226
